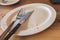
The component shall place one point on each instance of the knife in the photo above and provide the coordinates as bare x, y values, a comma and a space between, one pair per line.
20, 19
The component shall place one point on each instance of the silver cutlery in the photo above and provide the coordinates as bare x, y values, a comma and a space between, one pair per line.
20, 19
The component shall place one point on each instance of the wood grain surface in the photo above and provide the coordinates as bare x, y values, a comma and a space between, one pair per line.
52, 33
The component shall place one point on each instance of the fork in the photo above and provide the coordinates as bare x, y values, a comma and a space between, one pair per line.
9, 28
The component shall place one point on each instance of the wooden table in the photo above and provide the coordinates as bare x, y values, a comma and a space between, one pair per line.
52, 33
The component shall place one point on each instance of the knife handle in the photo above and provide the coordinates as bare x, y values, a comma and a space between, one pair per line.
6, 31
12, 31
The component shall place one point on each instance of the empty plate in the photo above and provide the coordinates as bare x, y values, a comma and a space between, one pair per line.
42, 17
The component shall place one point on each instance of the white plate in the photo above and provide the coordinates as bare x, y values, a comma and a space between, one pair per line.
49, 21
9, 3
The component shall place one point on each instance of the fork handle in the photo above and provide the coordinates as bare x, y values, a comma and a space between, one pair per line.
12, 31
6, 31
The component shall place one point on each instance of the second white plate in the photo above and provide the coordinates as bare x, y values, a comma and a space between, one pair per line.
10, 3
